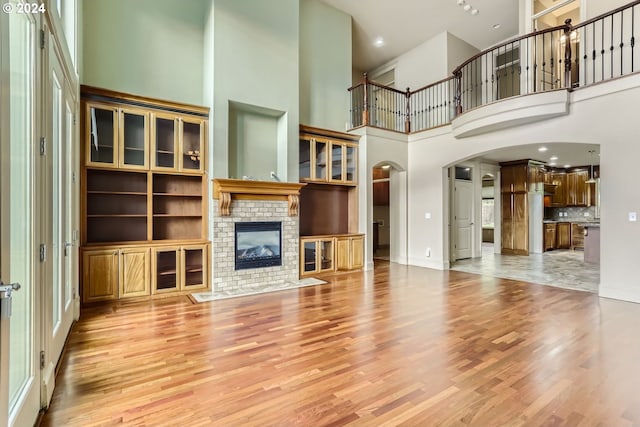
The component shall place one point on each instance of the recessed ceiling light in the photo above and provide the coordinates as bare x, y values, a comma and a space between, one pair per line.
475, 11
542, 149
378, 42
553, 158
467, 7
467, 169
552, 164
496, 26
386, 166
460, 2
567, 166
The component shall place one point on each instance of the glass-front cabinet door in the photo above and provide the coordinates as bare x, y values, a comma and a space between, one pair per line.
102, 128
194, 266
192, 133
325, 261
321, 161
134, 139
165, 141
164, 269
305, 159
336, 162
350, 162
308, 256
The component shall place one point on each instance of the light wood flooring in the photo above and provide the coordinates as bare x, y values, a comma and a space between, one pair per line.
399, 346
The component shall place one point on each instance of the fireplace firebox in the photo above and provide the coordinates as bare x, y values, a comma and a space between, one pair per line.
258, 244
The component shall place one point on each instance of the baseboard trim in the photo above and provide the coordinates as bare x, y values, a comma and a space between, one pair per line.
619, 294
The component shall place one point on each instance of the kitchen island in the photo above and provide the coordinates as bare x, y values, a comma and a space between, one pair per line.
592, 243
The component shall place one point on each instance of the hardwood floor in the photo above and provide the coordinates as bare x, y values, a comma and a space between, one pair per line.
401, 346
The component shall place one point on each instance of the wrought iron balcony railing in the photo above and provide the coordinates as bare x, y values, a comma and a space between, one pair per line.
564, 57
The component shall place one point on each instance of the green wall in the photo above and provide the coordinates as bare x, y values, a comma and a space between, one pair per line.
255, 62
325, 65
145, 47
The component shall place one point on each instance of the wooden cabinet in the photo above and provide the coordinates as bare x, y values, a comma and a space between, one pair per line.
179, 268
112, 273
577, 189
559, 198
349, 253
327, 156
116, 137
515, 215
577, 236
549, 236
100, 275
563, 235
134, 271
328, 254
143, 193
316, 255
178, 142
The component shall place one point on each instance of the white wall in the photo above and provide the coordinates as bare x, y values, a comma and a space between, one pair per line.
377, 147
594, 118
594, 8
458, 51
255, 62
145, 47
325, 65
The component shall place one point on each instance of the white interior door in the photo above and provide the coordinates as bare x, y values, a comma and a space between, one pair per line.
59, 169
463, 218
19, 350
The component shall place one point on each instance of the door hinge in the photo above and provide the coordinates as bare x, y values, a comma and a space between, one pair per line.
43, 146
42, 360
43, 252
42, 39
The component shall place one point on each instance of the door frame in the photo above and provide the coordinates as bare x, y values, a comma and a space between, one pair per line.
29, 404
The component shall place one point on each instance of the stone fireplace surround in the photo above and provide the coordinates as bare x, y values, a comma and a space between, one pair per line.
253, 201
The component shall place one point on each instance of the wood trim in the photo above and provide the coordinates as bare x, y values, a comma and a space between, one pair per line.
225, 190
127, 98
329, 133
330, 236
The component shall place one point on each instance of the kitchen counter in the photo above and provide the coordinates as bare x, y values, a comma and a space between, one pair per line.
592, 243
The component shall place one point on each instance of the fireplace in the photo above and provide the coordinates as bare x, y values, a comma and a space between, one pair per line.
258, 244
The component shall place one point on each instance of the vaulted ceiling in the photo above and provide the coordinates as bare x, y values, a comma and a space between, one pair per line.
405, 24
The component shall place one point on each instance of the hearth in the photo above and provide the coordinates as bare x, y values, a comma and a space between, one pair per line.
258, 244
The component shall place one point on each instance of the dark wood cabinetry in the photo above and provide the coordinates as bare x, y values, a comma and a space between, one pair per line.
559, 198
563, 235
577, 236
517, 178
550, 231
571, 189
577, 189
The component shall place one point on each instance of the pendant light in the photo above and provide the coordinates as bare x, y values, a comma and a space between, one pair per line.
592, 179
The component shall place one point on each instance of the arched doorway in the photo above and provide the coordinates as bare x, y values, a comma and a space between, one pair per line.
388, 213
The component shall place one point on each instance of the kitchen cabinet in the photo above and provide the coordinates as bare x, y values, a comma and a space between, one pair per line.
577, 193
515, 215
515, 224
549, 236
577, 236
563, 235
559, 197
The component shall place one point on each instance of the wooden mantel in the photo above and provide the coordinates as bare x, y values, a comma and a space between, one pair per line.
225, 190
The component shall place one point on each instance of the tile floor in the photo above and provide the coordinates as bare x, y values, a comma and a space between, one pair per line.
560, 268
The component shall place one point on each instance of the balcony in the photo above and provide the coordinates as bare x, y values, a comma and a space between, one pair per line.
523, 80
